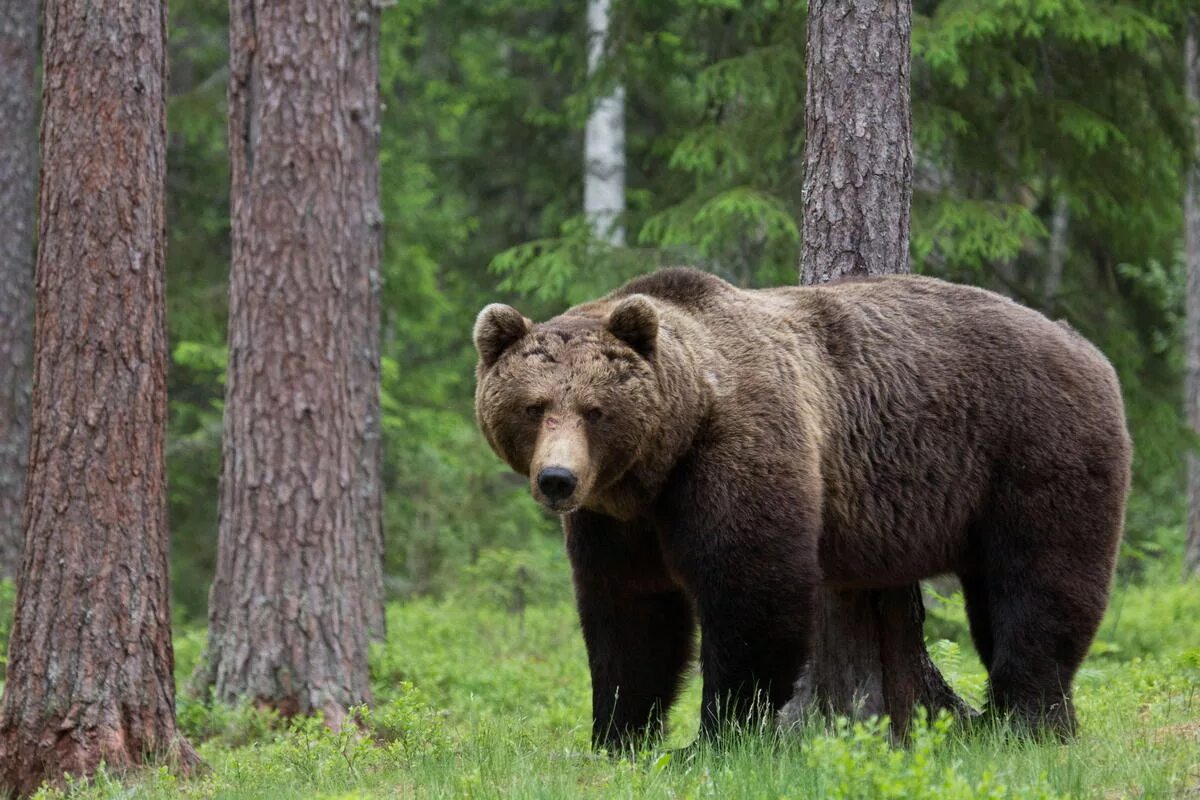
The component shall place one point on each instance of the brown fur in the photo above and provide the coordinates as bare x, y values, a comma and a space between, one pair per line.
736, 449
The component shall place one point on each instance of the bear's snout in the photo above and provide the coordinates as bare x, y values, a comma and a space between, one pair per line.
557, 483
561, 469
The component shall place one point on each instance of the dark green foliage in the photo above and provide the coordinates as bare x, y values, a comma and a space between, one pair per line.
473, 125
197, 287
1080, 100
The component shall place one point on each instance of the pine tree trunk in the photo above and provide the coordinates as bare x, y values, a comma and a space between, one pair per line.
293, 601
18, 175
604, 140
858, 140
90, 659
869, 654
1191, 216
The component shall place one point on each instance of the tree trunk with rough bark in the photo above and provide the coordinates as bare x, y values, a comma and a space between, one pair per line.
1191, 216
18, 175
294, 599
869, 656
858, 140
90, 659
604, 140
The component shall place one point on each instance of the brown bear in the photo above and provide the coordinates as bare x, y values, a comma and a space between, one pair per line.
718, 453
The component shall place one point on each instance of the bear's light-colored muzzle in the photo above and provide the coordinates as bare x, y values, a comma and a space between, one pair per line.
561, 474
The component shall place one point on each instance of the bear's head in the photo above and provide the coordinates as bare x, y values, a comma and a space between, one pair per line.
572, 403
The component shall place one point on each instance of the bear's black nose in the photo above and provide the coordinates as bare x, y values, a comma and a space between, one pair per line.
557, 483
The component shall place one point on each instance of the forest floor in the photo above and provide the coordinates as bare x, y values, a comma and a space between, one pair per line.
475, 699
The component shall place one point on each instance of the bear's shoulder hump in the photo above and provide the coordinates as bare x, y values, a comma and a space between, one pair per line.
683, 286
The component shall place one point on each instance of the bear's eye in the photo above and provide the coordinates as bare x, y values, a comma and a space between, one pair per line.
593, 415
534, 410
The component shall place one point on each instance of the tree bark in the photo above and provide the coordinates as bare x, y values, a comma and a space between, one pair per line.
869, 656
1191, 217
858, 139
604, 140
90, 660
293, 599
18, 173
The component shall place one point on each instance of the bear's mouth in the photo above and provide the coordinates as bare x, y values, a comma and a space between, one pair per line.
566, 506
562, 508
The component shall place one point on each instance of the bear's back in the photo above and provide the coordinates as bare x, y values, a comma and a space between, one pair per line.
883, 324
922, 335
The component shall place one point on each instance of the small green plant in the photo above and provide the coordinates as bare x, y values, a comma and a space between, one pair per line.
230, 725
8, 600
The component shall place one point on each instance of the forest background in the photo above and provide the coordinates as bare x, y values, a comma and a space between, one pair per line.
1051, 143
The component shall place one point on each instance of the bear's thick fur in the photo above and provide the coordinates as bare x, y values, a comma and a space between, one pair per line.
717, 453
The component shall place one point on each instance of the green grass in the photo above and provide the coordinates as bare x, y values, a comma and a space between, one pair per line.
476, 699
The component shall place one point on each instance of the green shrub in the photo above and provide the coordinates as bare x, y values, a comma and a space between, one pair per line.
8, 600
1157, 614
228, 725
858, 761
512, 580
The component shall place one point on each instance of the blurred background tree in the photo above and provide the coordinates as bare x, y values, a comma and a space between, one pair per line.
1191, 249
1051, 140
18, 193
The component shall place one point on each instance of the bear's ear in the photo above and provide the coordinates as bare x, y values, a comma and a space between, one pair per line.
634, 321
497, 328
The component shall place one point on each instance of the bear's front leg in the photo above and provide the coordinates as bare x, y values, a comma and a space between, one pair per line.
745, 545
755, 638
637, 624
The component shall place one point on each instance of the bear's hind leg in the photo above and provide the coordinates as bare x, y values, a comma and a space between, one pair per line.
1035, 654
978, 616
1048, 567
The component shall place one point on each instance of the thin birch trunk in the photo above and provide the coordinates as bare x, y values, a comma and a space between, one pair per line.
1191, 216
18, 192
604, 139
1056, 255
